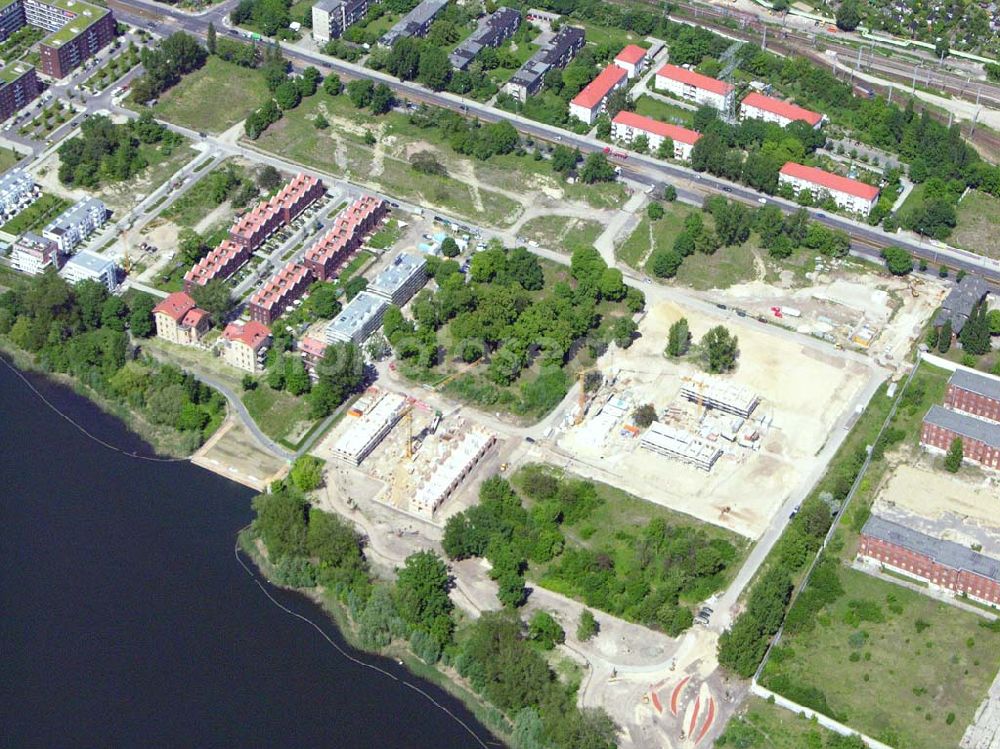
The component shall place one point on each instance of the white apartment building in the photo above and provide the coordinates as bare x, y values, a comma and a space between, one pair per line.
627, 126
756, 106
591, 101
32, 254
17, 191
695, 87
245, 345
632, 59
90, 265
849, 194
76, 224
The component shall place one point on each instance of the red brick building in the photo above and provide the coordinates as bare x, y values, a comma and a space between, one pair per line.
220, 263
980, 438
974, 394
273, 298
18, 88
347, 234
80, 39
311, 350
945, 564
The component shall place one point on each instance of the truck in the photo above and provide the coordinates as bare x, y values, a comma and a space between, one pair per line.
608, 151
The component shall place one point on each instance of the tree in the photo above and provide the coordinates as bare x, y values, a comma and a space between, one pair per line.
523, 267
679, 338
332, 85
360, 92
993, 321
307, 473
449, 247
210, 39
323, 299
897, 260
320, 122
280, 523
214, 298
545, 630
309, 81
382, 100
140, 319
666, 149
665, 263
287, 95
644, 415
623, 331
975, 335
565, 159
434, 70
612, 284
944, 337
953, 460
848, 16
719, 349
113, 314
341, 372
588, 626
297, 379
422, 587
641, 144
655, 211
596, 168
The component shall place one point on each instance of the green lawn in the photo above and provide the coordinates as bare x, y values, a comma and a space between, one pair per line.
900, 673
8, 158
659, 110
196, 203
385, 237
978, 227
213, 98
763, 725
37, 215
563, 233
724, 268
643, 241
276, 412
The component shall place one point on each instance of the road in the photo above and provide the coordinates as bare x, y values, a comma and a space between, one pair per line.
691, 186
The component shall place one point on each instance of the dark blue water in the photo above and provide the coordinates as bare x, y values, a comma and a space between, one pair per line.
126, 620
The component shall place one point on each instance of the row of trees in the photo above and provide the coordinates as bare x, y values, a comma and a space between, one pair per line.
83, 331
499, 656
164, 65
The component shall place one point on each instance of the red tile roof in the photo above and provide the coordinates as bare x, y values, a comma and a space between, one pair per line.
632, 54
194, 317
312, 347
830, 181
176, 305
676, 73
252, 333
782, 108
649, 125
595, 91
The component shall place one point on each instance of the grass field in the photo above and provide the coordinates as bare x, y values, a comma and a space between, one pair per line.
654, 235
659, 110
724, 268
213, 98
196, 203
563, 233
8, 158
978, 227
37, 215
762, 725
277, 413
929, 663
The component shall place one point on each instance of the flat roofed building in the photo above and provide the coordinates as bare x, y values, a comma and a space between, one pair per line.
632, 59
957, 306
756, 106
628, 126
415, 23
358, 320
89, 265
80, 31
980, 438
18, 88
245, 345
590, 102
32, 254
721, 395
849, 194
271, 300
943, 564
179, 319
17, 192
557, 53
76, 223
330, 18
678, 443
403, 278
491, 31
365, 433
974, 393
691, 86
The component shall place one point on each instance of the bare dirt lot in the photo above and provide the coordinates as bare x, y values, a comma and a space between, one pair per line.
232, 452
804, 390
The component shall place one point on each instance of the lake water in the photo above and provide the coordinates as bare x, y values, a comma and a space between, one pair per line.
126, 620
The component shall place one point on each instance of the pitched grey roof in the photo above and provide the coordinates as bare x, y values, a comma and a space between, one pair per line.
976, 383
960, 301
948, 553
964, 425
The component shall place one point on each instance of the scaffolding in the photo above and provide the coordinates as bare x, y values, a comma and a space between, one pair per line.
678, 443
713, 393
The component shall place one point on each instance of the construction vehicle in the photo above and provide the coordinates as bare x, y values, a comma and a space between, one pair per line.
581, 405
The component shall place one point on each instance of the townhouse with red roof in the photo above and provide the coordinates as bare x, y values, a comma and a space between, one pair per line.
591, 101
628, 126
311, 350
632, 59
756, 106
245, 345
695, 87
179, 320
289, 284
347, 234
849, 194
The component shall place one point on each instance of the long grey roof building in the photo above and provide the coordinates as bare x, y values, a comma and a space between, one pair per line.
963, 425
414, 23
976, 383
491, 31
947, 553
958, 305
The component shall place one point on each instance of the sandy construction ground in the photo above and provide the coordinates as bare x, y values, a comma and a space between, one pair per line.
943, 505
804, 390
232, 452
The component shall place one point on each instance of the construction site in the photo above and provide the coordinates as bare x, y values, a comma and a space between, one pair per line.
419, 458
727, 449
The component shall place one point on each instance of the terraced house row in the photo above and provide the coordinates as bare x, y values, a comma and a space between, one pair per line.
346, 236
252, 229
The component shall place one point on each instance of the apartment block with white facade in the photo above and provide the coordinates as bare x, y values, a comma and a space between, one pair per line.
77, 223
590, 102
849, 194
32, 254
756, 106
17, 192
89, 265
695, 87
627, 126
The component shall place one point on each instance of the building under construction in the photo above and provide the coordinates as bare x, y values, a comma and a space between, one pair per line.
711, 392
681, 444
449, 461
371, 427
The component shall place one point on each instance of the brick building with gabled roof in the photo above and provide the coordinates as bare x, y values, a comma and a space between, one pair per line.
269, 301
180, 320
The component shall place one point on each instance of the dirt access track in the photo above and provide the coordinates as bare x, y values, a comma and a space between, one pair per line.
805, 387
